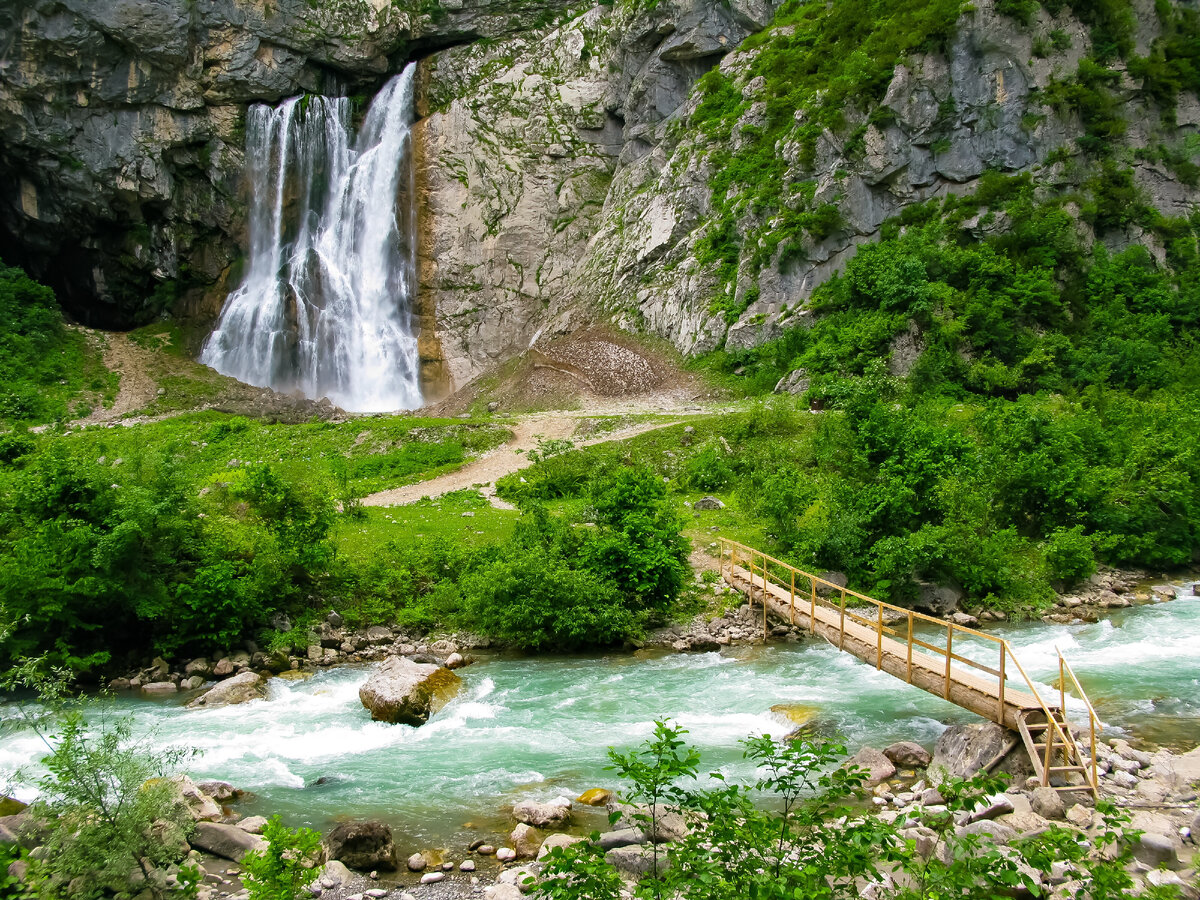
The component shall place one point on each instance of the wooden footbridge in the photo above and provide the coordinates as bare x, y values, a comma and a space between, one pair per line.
989, 682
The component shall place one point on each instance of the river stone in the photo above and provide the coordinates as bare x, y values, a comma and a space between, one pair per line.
417, 863
467, 865
1156, 851
525, 840
624, 837
557, 840
543, 815
502, 892
199, 805
1047, 803
224, 668
506, 854
221, 791
993, 832
362, 845
455, 661
705, 503
238, 689
908, 754
160, 687
225, 841
335, 874
253, 824
635, 862
879, 767
432, 877
963, 750
595, 797
402, 691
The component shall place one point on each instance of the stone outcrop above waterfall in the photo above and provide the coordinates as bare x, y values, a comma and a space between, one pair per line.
561, 171
407, 692
122, 125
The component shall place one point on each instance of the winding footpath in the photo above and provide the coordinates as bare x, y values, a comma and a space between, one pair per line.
509, 457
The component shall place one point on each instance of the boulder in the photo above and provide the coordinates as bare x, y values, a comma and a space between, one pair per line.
543, 815
224, 668
362, 845
624, 837
221, 791
938, 599
557, 840
199, 805
455, 661
668, 824
963, 750
402, 691
879, 767
595, 797
908, 755
708, 503
1047, 803
225, 841
525, 840
991, 832
502, 892
238, 689
334, 874
253, 824
378, 634
200, 667
1156, 851
160, 687
635, 863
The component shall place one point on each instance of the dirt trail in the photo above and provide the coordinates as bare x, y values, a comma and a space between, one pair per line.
504, 459
137, 389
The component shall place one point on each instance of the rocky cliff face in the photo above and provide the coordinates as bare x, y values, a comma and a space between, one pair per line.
572, 161
121, 128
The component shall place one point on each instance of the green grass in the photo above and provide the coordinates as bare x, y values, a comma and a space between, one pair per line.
355, 457
362, 539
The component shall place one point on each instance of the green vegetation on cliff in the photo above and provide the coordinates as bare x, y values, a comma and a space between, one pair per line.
44, 365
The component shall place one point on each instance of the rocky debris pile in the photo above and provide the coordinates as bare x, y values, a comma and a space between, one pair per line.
743, 625
1106, 590
608, 368
408, 692
329, 643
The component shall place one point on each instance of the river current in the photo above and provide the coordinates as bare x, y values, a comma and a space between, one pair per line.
540, 727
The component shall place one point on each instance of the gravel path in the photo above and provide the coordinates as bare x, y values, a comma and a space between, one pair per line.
137, 388
509, 457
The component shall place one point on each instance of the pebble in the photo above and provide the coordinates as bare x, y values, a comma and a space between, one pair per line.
416, 863
376, 893
447, 867
432, 877
485, 849
505, 854
467, 865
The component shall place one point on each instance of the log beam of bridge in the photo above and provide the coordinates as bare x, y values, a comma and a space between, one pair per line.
873, 646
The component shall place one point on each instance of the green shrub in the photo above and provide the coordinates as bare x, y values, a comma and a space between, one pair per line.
707, 470
285, 866
1070, 556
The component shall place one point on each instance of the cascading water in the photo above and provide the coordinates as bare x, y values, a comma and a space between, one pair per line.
326, 304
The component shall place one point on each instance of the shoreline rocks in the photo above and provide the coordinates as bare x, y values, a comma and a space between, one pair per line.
239, 689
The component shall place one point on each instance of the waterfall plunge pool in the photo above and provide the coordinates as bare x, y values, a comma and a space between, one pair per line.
540, 727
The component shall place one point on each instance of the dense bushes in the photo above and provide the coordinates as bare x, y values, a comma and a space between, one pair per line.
41, 362
560, 582
97, 559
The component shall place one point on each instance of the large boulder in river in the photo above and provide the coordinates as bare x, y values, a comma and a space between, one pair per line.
877, 766
238, 689
543, 815
403, 691
362, 845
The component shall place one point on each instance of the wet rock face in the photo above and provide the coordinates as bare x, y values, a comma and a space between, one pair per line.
407, 692
122, 127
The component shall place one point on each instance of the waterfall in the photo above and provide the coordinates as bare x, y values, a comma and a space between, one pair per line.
325, 307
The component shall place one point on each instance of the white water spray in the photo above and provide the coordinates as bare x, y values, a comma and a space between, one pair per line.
325, 307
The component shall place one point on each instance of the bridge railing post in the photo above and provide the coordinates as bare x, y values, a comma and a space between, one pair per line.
792, 607
879, 638
842, 635
908, 676
949, 655
1000, 691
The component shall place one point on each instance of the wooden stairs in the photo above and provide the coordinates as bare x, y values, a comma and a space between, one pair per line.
991, 683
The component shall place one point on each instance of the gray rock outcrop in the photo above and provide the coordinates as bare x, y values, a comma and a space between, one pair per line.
403, 691
362, 845
225, 841
962, 750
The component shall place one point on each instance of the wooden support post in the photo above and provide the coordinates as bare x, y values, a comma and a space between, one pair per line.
949, 654
842, 636
908, 677
764, 599
879, 639
1092, 723
812, 606
1051, 729
1003, 655
792, 608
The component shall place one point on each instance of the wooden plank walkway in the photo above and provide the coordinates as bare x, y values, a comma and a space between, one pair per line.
857, 624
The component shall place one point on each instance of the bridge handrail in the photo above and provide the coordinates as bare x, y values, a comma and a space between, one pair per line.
1094, 723
1063, 735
